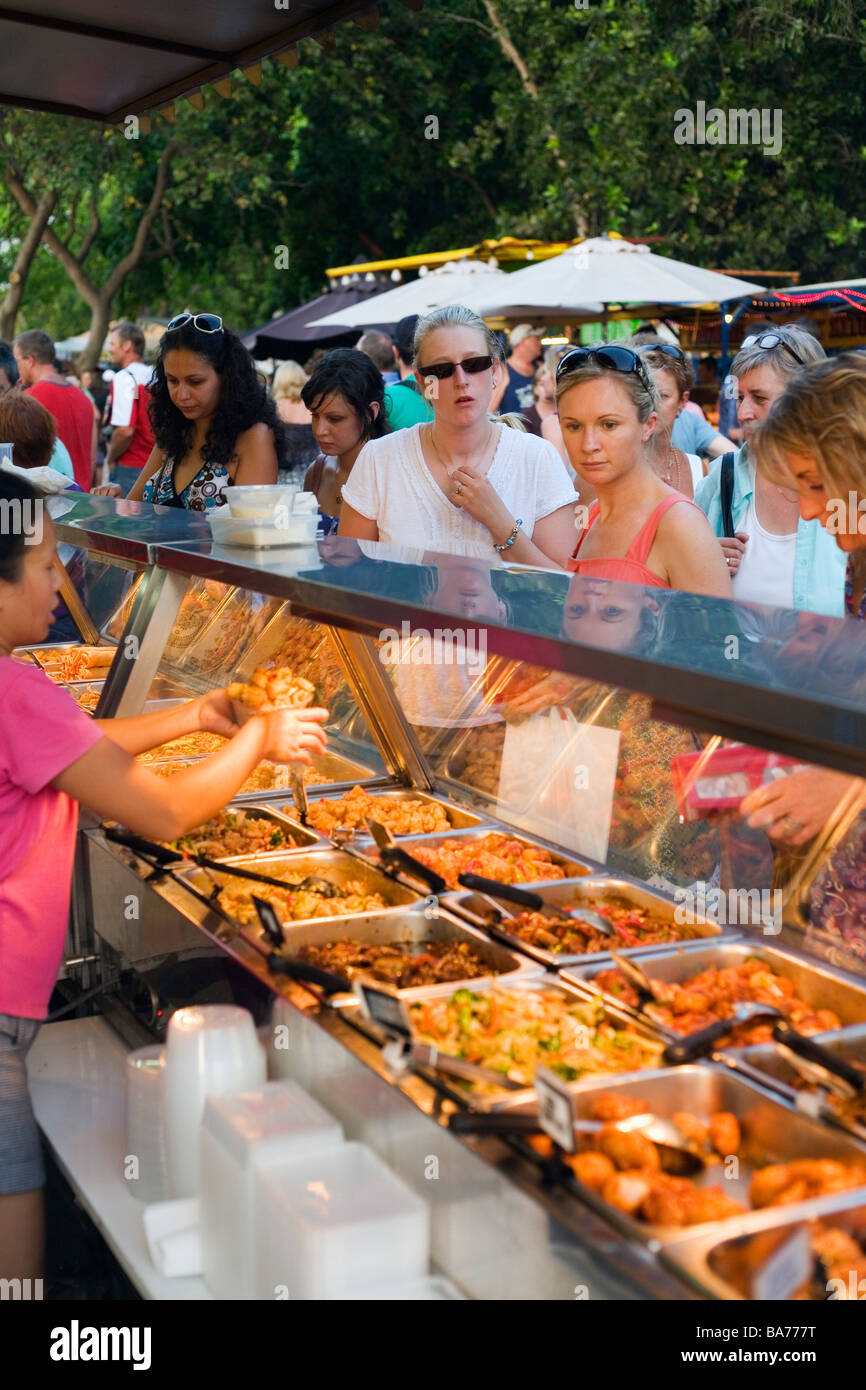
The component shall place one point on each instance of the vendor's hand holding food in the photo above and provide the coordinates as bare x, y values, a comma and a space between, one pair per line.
794, 809
215, 714
295, 735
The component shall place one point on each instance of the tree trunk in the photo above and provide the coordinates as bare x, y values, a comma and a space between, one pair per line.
99, 297
23, 261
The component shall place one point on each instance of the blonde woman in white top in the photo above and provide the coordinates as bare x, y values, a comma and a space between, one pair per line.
463, 484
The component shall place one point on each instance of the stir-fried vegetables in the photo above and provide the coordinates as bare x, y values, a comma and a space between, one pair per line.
512, 1031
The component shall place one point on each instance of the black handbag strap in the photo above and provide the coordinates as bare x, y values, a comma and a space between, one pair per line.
726, 493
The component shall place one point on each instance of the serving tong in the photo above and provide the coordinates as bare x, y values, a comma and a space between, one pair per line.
398, 860
676, 1154
150, 850
490, 889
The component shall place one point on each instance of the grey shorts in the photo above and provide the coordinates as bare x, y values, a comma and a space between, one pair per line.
21, 1166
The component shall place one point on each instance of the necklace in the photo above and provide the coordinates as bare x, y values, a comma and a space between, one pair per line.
671, 471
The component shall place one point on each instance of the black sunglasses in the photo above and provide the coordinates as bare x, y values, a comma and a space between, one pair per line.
205, 323
771, 340
617, 359
442, 370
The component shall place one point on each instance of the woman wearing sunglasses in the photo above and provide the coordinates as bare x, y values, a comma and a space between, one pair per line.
640, 529
463, 484
213, 421
774, 556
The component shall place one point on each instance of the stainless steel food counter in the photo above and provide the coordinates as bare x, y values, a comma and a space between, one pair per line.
423, 663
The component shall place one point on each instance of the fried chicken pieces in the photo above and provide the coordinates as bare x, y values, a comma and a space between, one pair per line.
270, 690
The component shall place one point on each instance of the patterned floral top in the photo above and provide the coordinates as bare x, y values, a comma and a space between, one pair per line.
207, 489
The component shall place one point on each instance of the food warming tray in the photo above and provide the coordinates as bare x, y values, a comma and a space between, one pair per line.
301, 836
574, 893
327, 863
772, 1133
460, 819
337, 770
411, 924
709, 1260
771, 1060
526, 1101
817, 984
574, 868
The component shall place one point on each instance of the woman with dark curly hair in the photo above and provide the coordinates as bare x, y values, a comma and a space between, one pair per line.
213, 422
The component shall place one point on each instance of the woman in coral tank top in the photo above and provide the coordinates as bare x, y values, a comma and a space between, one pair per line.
640, 529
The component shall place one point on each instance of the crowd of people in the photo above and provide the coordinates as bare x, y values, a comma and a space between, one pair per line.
445, 437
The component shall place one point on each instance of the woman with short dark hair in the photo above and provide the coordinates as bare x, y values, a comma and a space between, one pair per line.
346, 397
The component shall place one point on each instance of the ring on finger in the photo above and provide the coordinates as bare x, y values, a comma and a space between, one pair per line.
792, 826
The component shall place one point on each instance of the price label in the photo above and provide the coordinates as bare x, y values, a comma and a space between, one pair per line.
269, 920
383, 1007
556, 1108
787, 1269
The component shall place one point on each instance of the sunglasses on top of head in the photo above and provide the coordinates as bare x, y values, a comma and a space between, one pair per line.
771, 340
205, 323
442, 370
617, 359
669, 349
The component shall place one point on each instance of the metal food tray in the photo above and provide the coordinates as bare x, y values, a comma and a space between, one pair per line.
406, 925
339, 771
526, 1101
816, 984
701, 1258
303, 838
771, 1133
328, 863
460, 819
574, 868
48, 655
770, 1060
573, 893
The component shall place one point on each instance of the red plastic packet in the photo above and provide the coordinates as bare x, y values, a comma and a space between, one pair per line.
719, 780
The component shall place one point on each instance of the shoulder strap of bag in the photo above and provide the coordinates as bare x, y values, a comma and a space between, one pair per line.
726, 494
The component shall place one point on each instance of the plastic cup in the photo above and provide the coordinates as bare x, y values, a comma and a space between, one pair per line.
211, 1049
145, 1163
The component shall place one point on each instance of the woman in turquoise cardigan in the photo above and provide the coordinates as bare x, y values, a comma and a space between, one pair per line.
774, 556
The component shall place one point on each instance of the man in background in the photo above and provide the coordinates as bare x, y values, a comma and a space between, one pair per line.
131, 441
73, 412
380, 350
525, 344
404, 403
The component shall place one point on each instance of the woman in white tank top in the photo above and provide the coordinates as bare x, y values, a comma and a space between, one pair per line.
463, 484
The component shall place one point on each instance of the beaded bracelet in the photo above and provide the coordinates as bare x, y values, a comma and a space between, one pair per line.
512, 538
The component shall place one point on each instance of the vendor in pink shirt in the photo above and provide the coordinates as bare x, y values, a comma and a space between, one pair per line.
53, 755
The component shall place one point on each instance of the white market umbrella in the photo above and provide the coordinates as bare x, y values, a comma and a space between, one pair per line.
607, 269
447, 284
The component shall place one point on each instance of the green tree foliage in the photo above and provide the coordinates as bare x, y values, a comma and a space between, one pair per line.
473, 118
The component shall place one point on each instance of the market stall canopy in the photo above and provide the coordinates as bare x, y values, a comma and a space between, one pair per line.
609, 269
296, 333
96, 59
447, 284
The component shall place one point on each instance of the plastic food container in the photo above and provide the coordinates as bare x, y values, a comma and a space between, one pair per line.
260, 503
266, 1125
263, 532
333, 1222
